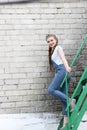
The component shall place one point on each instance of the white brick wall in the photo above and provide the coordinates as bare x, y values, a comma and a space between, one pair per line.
24, 68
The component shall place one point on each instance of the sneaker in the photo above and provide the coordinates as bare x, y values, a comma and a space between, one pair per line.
62, 128
72, 104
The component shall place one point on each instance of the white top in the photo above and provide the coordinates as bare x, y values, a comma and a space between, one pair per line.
55, 56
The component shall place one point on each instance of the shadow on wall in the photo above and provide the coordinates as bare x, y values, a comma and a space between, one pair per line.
17, 1
2, 2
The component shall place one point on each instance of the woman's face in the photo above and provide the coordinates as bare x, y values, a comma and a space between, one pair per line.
51, 42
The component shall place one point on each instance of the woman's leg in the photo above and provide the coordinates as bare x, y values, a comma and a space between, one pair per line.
64, 122
54, 88
64, 104
63, 90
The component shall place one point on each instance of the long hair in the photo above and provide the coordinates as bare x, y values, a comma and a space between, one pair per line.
50, 51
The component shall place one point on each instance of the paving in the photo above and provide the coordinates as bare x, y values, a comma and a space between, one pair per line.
41, 121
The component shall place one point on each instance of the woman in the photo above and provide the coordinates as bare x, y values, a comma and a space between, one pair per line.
58, 61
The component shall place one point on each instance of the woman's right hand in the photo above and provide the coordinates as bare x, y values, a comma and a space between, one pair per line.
68, 69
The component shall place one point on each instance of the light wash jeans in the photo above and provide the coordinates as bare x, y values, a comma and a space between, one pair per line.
54, 88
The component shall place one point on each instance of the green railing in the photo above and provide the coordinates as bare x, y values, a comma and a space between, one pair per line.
76, 56
65, 79
74, 61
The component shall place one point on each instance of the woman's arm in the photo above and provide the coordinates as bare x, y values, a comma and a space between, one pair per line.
62, 55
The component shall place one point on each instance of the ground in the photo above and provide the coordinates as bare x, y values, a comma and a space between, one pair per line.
45, 121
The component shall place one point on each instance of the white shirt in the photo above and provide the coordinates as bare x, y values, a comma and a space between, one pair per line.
55, 56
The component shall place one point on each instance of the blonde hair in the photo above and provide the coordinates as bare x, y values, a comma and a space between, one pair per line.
50, 49
52, 35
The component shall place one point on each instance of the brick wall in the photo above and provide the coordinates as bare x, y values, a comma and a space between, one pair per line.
24, 68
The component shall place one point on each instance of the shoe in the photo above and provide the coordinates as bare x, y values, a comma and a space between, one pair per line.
72, 104
62, 128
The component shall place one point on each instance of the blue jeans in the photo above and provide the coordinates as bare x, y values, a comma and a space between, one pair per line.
55, 89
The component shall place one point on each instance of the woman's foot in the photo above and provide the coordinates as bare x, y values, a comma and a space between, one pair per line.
64, 123
62, 128
72, 104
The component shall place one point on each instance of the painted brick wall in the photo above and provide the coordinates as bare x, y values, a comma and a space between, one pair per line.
24, 67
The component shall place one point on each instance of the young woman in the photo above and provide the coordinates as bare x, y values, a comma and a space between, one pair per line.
58, 61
